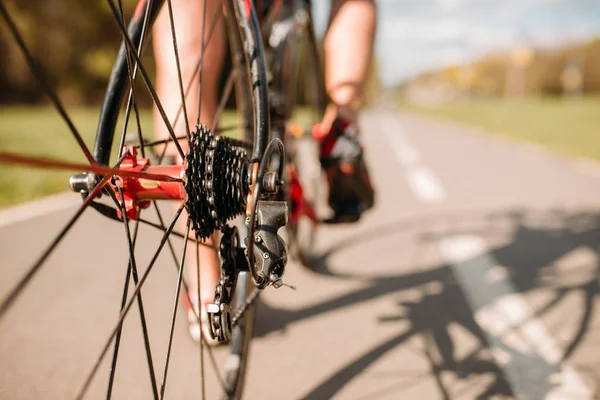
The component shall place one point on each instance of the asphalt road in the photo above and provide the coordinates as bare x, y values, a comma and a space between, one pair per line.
475, 276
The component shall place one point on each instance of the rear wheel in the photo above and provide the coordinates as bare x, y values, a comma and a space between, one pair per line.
241, 114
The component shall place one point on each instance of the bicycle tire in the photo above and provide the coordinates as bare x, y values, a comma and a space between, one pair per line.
240, 30
251, 88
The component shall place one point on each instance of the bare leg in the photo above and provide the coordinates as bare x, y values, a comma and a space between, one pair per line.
188, 16
348, 52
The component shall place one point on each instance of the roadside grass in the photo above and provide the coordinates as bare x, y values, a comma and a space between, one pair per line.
568, 126
40, 131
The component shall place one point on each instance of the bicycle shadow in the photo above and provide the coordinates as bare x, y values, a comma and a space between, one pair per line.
534, 256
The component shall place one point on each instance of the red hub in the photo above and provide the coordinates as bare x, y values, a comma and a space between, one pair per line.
138, 192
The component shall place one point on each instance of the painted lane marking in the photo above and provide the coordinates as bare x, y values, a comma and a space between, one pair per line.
520, 342
421, 180
425, 185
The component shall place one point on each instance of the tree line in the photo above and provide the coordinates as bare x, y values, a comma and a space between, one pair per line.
542, 72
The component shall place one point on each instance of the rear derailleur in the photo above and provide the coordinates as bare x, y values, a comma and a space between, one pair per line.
220, 184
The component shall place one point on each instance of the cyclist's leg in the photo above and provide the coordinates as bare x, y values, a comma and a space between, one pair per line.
188, 22
348, 52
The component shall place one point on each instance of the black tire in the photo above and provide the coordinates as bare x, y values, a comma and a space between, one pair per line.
246, 55
250, 80
235, 374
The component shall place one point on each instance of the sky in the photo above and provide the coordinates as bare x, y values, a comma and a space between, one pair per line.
414, 36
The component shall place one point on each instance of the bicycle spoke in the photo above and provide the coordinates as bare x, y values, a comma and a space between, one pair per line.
177, 62
146, 77
226, 93
38, 162
175, 305
125, 311
218, 130
137, 118
198, 281
131, 271
132, 75
163, 141
132, 91
169, 242
236, 142
201, 61
38, 72
211, 355
24, 281
228, 128
216, 18
164, 152
113, 364
162, 228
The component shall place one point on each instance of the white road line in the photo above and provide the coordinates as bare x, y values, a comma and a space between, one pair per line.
406, 154
38, 208
422, 181
529, 356
425, 184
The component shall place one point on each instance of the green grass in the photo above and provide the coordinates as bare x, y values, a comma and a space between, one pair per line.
42, 132
568, 126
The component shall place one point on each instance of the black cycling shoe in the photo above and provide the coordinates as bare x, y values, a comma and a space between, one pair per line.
345, 215
350, 189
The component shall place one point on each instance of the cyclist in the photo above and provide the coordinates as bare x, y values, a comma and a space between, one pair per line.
348, 46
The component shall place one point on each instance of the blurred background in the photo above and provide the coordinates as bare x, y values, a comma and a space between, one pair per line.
391, 307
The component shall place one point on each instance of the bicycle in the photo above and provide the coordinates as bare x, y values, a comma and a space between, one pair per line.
222, 177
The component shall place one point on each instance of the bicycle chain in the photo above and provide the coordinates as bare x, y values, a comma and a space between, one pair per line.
242, 310
221, 323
